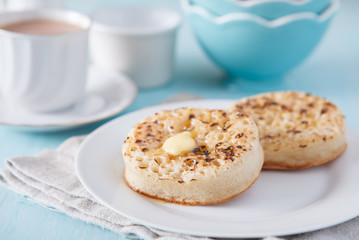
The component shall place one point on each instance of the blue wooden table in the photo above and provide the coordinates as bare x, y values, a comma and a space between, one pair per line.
331, 71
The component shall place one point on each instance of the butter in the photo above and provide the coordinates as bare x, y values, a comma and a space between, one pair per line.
179, 143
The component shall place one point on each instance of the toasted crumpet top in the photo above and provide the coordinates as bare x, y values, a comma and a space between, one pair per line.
292, 119
221, 139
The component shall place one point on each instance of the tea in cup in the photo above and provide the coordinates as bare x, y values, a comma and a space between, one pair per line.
43, 58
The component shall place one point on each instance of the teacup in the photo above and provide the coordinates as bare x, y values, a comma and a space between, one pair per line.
138, 41
43, 58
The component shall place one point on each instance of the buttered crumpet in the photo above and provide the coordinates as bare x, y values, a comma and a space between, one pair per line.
296, 129
193, 156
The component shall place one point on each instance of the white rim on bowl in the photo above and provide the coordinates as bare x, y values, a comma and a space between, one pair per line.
246, 3
333, 8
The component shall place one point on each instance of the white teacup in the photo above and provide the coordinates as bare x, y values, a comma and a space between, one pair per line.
138, 41
43, 71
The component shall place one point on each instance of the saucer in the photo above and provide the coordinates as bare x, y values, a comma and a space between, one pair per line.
107, 94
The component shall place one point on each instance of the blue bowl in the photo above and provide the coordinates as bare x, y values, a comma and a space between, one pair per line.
268, 9
250, 47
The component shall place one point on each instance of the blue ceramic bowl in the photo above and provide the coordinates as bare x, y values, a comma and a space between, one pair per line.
268, 9
251, 47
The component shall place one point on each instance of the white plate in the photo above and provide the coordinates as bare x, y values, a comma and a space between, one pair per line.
279, 203
107, 94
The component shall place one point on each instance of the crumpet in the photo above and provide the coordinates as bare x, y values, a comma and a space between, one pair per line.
296, 129
193, 156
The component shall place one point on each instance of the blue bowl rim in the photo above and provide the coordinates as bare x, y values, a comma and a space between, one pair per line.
252, 3
242, 16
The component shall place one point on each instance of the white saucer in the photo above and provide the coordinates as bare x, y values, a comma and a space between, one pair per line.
107, 94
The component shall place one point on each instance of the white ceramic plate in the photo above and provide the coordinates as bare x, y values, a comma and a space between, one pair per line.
279, 203
107, 94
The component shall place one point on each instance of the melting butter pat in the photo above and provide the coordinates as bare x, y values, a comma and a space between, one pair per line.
179, 143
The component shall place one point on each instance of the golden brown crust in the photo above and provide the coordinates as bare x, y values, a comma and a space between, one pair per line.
218, 142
